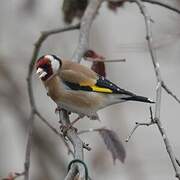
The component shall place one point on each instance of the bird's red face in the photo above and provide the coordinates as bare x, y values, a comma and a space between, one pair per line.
47, 66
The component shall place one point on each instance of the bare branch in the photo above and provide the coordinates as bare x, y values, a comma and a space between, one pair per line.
60, 30
48, 124
156, 2
137, 124
163, 4
147, 20
86, 23
71, 174
28, 147
106, 60
170, 92
75, 140
178, 162
90, 130
56, 132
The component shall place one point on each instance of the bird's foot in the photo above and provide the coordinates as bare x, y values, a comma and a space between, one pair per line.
64, 129
94, 117
58, 109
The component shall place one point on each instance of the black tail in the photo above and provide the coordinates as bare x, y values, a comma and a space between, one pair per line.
138, 98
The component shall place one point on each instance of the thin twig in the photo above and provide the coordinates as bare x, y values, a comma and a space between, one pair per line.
137, 124
56, 132
90, 130
60, 30
163, 4
170, 92
28, 147
44, 35
178, 162
106, 60
147, 20
48, 124
156, 2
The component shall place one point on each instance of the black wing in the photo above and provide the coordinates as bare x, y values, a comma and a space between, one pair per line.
102, 86
105, 86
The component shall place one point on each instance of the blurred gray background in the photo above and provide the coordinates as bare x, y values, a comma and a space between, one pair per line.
114, 35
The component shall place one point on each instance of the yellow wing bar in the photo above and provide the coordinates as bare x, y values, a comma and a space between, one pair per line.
99, 89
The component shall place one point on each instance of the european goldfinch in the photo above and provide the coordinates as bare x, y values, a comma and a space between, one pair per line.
78, 89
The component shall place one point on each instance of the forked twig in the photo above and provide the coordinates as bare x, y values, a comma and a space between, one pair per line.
137, 124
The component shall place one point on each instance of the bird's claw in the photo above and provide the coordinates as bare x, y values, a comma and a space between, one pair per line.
58, 109
64, 129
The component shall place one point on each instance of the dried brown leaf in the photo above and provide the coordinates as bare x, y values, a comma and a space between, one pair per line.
115, 5
73, 9
10, 177
97, 65
13, 176
99, 68
93, 55
113, 144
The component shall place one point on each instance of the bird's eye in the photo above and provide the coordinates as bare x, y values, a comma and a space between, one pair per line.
45, 66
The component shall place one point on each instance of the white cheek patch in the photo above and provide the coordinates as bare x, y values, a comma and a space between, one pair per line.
54, 63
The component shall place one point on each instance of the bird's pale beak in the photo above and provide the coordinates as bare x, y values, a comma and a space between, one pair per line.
41, 73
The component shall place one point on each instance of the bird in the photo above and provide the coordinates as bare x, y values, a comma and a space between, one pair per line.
78, 89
